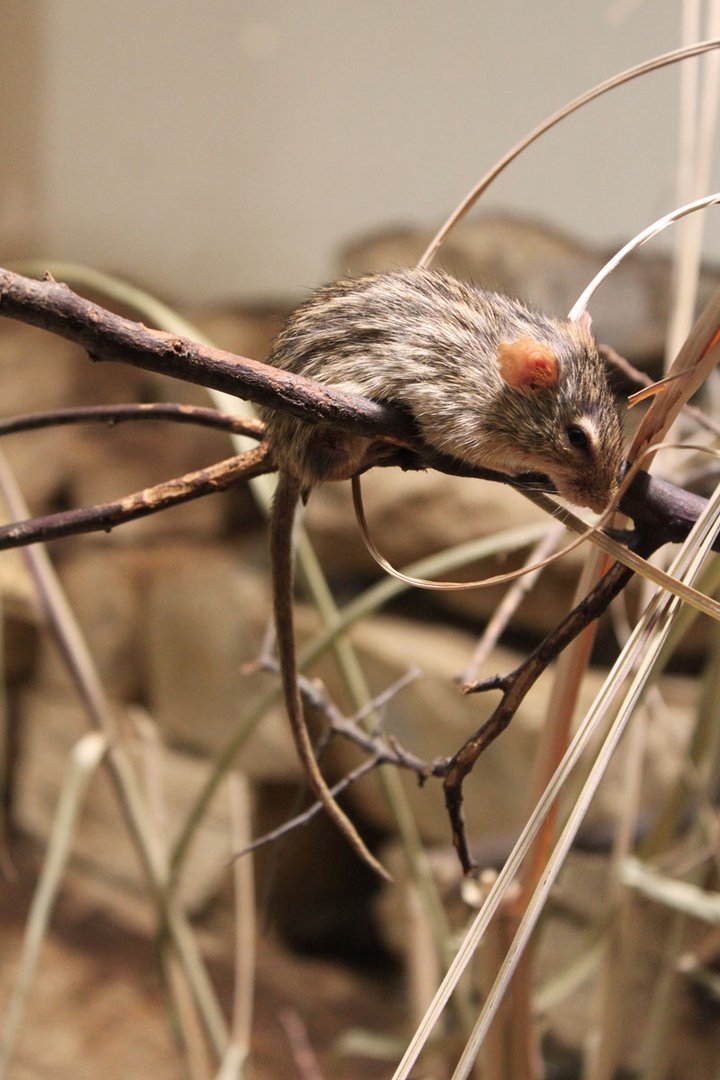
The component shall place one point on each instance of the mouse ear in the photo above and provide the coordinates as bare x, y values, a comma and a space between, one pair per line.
528, 364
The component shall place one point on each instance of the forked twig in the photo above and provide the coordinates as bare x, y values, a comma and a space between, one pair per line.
381, 749
514, 687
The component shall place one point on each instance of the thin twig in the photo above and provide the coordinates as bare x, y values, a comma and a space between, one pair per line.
514, 686
119, 414
612, 356
298, 820
106, 336
373, 742
105, 516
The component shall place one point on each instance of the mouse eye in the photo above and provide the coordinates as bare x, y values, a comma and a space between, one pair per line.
577, 437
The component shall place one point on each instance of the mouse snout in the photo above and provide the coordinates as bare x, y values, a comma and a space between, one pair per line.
595, 496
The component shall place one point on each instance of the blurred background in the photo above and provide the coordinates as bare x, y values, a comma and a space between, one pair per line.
222, 150
229, 156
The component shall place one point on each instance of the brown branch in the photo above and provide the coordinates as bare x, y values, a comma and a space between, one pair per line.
515, 686
106, 336
660, 510
120, 414
105, 516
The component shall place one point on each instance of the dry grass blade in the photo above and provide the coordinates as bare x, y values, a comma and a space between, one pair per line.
637, 241
459, 586
122, 771
584, 99
238, 1051
570, 671
681, 896
602, 1041
245, 916
698, 118
697, 358
640, 654
505, 610
687, 561
84, 760
681, 589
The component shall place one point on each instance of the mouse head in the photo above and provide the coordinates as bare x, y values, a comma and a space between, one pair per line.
563, 420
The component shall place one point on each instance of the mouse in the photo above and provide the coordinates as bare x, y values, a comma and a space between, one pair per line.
487, 380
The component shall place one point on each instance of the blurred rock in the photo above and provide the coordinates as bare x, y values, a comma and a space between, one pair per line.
51, 727
20, 617
174, 606
203, 620
173, 626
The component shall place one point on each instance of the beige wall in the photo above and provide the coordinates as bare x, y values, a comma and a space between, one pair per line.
224, 148
21, 127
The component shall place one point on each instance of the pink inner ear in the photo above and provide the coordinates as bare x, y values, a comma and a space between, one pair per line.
528, 364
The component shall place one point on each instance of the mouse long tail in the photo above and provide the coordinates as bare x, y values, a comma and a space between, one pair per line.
281, 551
